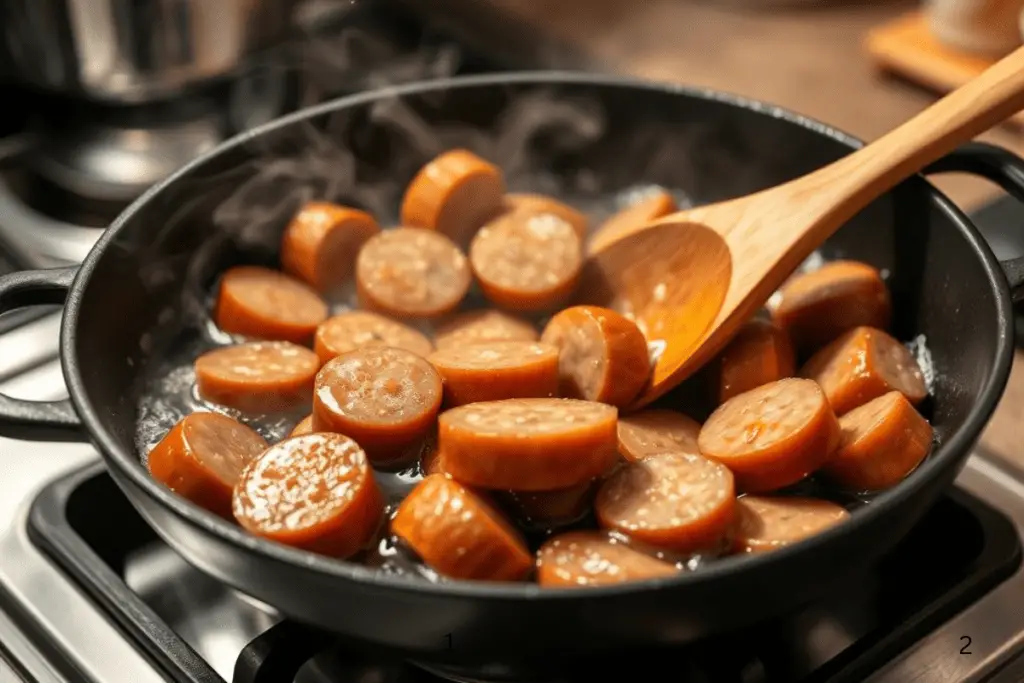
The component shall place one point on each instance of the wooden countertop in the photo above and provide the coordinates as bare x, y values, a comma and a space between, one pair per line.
807, 58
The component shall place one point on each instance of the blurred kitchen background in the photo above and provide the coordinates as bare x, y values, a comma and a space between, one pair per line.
98, 100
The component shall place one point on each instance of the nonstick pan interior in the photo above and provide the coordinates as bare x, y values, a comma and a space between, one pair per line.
587, 140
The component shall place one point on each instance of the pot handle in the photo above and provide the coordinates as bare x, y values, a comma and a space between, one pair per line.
37, 419
1005, 169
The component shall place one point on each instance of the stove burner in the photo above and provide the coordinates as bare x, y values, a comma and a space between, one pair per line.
961, 550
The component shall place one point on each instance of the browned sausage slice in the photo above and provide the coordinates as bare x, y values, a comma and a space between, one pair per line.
321, 242
863, 364
385, 398
649, 207
455, 193
481, 326
529, 444
678, 501
315, 492
548, 509
202, 458
526, 262
264, 304
490, 371
603, 356
818, 306
769, 523
360, 329
538, 204
657, 431
459, 534
411, 273
305, 426
772, 436
759, 353
882, 442
592, 558
257, 377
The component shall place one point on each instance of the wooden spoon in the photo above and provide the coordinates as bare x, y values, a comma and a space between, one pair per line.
692, 278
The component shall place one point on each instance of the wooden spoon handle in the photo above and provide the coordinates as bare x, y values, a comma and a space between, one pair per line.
848, 185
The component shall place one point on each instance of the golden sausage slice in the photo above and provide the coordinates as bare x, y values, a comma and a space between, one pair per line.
305, 426
257, 377
678, 501
863, 364
538, 205
816, 307
592, 558
651, 206
772, 436
315, 492
265, 304
768, 523
455, 193
383, 397
882, 442
322, 241
527, 262
359, 329
490, 371
481, 326
529, 444
202, 458
411, 273
657, 431
459, 534
759, 353
603, 355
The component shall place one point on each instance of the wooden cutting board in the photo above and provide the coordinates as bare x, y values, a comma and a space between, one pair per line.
905, 47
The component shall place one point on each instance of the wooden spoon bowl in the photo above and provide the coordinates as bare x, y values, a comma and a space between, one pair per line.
692, 278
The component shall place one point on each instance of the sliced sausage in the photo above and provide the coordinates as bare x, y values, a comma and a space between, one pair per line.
768, 523
480, 326
265, 304
322, 241
305, 426
257, 377
759, 353
603, 355
863, 364
430, 460
526, 262
882, 442
385, 398
657, 431
315, 492
202, 458
816, 307
490, 371
547, 509
455, 193
673, 500
360, 329
459, 534
411, 273
538, 204
653, 205
593, 558
528, 444
772, 436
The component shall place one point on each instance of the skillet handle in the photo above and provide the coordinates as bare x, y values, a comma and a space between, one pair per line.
1005, 169
37, 419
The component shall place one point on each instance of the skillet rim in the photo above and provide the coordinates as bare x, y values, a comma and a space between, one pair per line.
955, 448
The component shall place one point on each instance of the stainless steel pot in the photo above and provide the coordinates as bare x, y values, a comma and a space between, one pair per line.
136, 50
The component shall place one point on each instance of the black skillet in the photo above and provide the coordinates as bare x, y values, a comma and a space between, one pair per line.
569, 134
